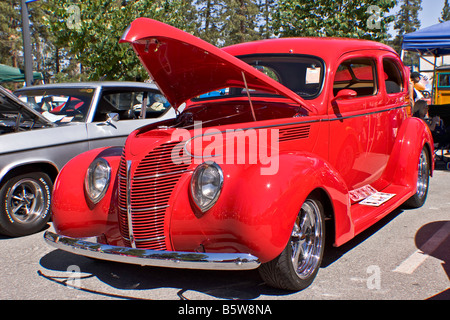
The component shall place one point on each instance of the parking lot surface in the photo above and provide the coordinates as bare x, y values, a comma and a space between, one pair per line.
405, 256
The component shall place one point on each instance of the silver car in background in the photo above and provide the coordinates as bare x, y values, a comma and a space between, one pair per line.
43, 127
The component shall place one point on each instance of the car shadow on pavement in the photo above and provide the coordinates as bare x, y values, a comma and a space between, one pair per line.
429, 244
133, 280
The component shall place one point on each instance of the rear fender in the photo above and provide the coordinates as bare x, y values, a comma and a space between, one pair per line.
412, 137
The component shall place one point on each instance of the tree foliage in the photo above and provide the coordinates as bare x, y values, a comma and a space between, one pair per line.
79, 40
445, 14
407, 21
361, 19
91, 30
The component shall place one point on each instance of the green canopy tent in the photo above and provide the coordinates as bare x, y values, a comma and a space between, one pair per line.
11, 74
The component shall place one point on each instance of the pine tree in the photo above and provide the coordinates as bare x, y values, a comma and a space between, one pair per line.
445, 14
407, 21
240, 19
364, 19
265, 20
10, 33
209, 20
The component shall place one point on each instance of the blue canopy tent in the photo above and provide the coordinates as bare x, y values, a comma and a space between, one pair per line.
431, 41
434, 40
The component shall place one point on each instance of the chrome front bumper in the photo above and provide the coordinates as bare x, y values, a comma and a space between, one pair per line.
168, 259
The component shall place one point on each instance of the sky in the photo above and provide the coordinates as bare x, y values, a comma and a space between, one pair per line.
428, 16
431, 12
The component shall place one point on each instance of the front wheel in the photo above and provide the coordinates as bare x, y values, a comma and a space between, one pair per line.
25, 204
297, 266
423, 180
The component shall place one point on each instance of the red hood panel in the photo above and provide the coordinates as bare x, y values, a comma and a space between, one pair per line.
184, 66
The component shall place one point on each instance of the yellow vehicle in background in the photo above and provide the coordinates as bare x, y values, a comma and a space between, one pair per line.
442, 86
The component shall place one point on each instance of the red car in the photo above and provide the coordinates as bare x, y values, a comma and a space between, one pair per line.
279, 145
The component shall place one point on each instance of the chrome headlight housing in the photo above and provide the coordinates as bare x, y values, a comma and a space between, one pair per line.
206, 185
97, 179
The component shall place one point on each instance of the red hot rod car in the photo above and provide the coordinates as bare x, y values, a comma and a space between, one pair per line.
273, 141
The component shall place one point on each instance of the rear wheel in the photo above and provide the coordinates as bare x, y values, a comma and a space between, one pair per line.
423, 179
25, 204
297, 266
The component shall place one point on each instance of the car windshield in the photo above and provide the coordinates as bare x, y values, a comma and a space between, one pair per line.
302, 74
60, 105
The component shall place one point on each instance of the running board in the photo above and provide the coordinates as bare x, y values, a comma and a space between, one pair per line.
365, 215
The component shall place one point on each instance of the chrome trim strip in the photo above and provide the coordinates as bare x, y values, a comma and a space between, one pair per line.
147, 239
130, 220
158, 175
145, 209
156, 258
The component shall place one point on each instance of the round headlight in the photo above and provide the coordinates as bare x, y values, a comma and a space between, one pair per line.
206, 185
97, 179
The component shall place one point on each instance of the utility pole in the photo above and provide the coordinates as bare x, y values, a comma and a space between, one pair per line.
27, 44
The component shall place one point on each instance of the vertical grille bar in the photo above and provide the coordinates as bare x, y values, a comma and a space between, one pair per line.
129, 211
144, 196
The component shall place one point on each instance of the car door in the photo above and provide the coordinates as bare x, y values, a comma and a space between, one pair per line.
355, 91
389, 116
120, 111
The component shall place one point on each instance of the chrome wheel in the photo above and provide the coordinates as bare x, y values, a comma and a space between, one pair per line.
26, 201
423, 175
297, 266
423, 180
25, 204
307, 240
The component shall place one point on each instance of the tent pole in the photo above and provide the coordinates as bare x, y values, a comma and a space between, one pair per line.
434, 83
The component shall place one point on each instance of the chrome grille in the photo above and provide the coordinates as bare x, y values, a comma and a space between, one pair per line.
151, 186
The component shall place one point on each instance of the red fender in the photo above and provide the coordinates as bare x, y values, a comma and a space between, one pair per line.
263, 207
402, 165
78, 217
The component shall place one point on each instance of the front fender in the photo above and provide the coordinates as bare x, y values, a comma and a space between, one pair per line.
73, 214
255, 213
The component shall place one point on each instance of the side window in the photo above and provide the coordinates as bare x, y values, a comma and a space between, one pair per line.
358, 75
129, 105
444, 80
392, 77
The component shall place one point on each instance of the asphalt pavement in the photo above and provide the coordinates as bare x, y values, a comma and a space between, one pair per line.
405, 256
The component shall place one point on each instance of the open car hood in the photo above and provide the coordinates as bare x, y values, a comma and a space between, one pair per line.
184, 66
14, 103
